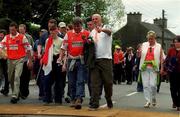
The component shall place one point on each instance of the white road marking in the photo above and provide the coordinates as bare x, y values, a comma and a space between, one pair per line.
131, 94
105, 105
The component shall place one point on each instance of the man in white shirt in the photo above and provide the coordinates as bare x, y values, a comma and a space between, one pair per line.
101, 74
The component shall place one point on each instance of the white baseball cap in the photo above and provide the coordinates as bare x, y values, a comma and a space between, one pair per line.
62, 24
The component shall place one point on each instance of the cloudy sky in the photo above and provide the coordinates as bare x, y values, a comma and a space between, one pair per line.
152, 9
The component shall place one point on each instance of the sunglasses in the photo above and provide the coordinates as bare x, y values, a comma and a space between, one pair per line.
94, 18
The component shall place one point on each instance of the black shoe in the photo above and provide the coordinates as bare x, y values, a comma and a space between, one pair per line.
157, 90
90, 102
67, 99
4, 92
40, 97
58, 102
93, 107
47, 104
22, 96
114, 82
139, 90
14, 100
109, 104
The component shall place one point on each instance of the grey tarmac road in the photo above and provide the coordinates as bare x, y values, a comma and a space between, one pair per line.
124, 97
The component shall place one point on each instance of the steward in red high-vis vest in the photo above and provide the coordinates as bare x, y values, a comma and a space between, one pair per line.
74, 45
15, 47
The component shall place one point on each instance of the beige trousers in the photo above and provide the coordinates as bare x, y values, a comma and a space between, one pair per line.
15, 68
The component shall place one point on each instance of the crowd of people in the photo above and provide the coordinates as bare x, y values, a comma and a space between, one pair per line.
81, 55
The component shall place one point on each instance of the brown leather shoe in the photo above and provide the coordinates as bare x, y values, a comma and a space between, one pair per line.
174, 106
78, 104
178, 108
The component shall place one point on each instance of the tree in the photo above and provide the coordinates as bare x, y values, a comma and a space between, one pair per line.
1, 2
17, 10
43, 10
90, 7
40, 11
23, 11
1, 8
116, 42
4, 23
115, 12
67, 9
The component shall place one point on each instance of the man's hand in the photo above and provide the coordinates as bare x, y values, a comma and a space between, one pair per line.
4, 57
162, 71
64, 68
39, 47
98, 29
59, 60
3, 53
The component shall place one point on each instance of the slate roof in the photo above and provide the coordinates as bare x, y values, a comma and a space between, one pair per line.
167, 33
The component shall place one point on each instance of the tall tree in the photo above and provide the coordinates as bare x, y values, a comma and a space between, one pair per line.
42, 10
1, 8
67, 9
36, 11
90, 7
17, 10
115, 12
39, 11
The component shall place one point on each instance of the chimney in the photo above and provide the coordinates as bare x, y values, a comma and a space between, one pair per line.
159, 22
134, 18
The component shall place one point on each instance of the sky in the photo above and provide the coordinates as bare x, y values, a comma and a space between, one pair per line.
152, 9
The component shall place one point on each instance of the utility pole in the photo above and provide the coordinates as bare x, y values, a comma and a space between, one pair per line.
163, 26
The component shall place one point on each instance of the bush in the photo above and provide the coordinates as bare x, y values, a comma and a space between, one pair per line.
4, 23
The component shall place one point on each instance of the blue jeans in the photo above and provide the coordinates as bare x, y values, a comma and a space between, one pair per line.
76, 78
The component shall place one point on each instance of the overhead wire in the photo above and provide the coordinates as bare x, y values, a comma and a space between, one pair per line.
142, 7
148, 12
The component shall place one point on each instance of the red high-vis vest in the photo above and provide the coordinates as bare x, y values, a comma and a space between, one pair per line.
118, 57
15, 47
76, 42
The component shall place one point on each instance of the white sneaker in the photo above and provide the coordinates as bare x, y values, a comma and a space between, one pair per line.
147, 105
